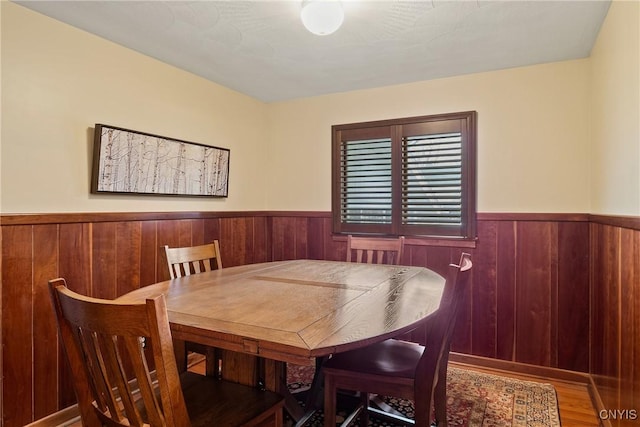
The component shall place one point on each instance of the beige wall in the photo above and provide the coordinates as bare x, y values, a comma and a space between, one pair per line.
615, 113
0, 130
58, 81
534, 150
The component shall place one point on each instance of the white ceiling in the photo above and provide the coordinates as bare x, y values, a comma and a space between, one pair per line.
260, 48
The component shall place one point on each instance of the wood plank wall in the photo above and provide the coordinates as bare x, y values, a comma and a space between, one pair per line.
531, 298
615, 316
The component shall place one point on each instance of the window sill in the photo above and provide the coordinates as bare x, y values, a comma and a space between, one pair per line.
434, 241
428, 241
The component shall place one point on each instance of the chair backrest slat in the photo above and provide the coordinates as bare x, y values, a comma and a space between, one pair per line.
103, 341
375, 250
193, 259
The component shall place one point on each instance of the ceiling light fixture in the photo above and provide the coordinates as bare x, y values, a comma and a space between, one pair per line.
322, 17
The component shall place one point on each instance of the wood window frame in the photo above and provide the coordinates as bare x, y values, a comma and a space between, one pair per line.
464, 232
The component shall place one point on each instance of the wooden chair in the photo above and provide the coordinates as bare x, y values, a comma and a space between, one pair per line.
375, 250
125, 374
185, 261
400, 368
193, 259
371, 250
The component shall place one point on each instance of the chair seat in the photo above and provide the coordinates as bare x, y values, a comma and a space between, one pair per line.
392, 358
235, 404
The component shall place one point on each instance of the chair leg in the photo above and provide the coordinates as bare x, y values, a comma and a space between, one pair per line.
424, 396
440, 391
423, 413
440, 401
329, 401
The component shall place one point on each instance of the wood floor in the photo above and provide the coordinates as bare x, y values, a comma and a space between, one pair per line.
575, 405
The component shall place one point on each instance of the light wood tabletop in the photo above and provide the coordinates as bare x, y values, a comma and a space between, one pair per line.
263, 315
294, 311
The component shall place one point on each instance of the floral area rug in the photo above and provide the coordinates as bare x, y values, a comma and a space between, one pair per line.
473, 399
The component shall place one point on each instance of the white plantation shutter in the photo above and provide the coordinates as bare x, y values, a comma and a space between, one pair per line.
412, 177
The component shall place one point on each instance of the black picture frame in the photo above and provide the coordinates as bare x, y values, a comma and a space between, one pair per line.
126, 161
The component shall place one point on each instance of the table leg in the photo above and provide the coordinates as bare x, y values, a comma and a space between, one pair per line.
315, 395
314, 400
180, 350
275, 379
271, 375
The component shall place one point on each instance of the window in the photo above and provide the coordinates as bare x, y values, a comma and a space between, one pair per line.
412, 177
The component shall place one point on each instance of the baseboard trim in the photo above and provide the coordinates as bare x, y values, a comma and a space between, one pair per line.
62, 418
520, 368
535, 371
597, 402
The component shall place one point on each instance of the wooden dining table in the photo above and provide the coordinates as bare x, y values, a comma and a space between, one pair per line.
266, 315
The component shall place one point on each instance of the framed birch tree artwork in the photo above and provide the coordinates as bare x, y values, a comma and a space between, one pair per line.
127, 161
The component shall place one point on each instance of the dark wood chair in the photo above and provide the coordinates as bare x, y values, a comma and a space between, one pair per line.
375, 250
125, 374
193, 259
185, 261
400, 368
371, 250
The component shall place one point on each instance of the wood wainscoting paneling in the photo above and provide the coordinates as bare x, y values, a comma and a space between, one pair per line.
615, 319
539, 282
100, 256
